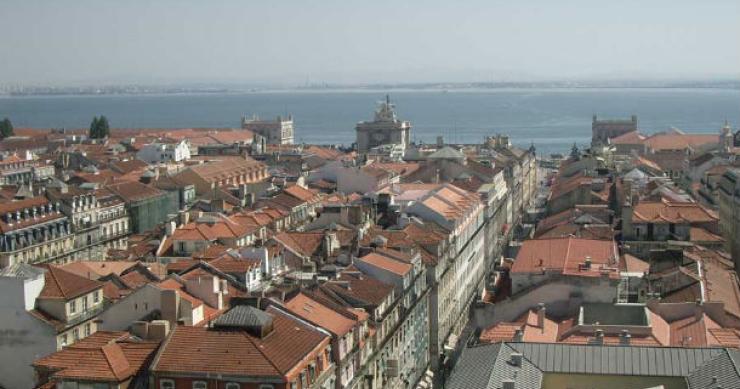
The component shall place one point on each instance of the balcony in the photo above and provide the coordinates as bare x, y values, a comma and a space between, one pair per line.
85, 316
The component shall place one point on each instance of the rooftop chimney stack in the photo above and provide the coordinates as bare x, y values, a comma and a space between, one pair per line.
541, 315
518, 335
698, 310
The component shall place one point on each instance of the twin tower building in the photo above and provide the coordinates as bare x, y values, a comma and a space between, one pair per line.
384, 129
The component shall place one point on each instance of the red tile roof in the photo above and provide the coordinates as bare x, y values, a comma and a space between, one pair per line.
388, 263
567, 255
321, 315
114, 361
195, 350
672, 212
674, 141
61, 284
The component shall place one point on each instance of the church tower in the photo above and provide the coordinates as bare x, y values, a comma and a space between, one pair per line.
726, 138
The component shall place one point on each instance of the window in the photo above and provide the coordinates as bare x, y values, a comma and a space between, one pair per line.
232, 385
200, 385
64, 339
73, 306
76, 334
96, 297
84, 303
87, 329
267, 386
166, 384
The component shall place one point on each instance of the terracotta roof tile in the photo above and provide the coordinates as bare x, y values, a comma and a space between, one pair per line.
388, 263
109, 362
319, 314
237, 353
567, 255
61, 284
672, 212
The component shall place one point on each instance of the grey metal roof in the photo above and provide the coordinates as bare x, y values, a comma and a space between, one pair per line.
446, 152
243, 316
616, 360
721, 371
487, 366
22, 270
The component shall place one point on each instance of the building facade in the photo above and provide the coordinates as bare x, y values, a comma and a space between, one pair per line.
275, 132
34, 230
160, 152
729, 213
385, 129
602, 130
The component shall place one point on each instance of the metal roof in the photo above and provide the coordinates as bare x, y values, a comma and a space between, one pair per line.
22, 270
486, 366
719, 372
616, 360
243, 316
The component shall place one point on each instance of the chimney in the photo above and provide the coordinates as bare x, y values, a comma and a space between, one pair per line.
541, 315
625, 337
184, 217
170, 305
698, 310
516, 359
518, 335
170, 228
508, 384
158, 329
599, 338
140, 329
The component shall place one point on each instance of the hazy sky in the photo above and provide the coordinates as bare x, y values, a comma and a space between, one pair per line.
343, 41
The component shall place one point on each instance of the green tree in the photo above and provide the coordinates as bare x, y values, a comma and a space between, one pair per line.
6, 128
94, 128
574, 152
103, 127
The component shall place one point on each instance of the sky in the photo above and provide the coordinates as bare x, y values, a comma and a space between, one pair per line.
86, 42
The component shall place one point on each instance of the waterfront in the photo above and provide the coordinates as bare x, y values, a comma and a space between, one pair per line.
551, 118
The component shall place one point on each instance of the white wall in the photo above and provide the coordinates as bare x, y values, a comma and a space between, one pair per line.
23, 338
119, 316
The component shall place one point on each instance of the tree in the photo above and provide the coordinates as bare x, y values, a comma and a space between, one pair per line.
94, 128
99, 127
575, 154
6, 128
103, 127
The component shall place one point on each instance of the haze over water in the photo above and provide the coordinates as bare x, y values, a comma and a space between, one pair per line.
551, 118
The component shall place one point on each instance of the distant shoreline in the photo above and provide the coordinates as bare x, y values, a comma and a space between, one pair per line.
372, 89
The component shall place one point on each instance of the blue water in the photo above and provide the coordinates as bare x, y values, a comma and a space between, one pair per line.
551, 118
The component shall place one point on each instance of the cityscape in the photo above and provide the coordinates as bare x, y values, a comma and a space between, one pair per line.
270, 250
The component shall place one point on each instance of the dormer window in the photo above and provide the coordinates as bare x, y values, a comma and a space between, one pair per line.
200, 385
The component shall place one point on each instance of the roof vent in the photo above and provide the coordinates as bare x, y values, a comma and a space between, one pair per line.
625, 337
516, 359
599, 337
508, 384
256, 322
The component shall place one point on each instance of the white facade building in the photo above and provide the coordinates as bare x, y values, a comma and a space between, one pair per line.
164, 152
